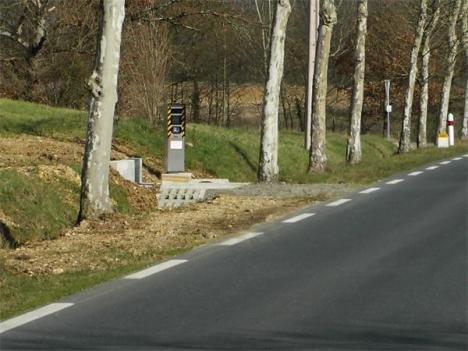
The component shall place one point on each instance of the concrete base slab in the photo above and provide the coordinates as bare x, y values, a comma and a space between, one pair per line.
173, 194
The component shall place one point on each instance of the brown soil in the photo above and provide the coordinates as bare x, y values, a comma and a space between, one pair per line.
27, 150
117, 240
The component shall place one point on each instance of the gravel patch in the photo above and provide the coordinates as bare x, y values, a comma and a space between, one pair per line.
282, 190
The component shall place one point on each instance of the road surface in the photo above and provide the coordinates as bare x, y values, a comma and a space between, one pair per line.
383, 269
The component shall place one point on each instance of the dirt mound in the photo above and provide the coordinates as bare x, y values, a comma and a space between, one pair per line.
50, 173
26, 150
116, 240
149, 233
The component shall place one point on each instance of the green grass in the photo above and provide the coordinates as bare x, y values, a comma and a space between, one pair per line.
42, 211
233, 154
20, 293
225, 153
19, 117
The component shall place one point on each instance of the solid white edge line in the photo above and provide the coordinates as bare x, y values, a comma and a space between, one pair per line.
338, 202
32, 316
445, 162
299, 218
395, 181
237, 240
413, 174
155, 269
368, 191
431, 168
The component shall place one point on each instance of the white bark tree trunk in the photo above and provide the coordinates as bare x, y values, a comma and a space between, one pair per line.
314, 20
353, 149
426, 55
464, 26
37, 13
451, 59
32, 41
95, 198
405, 135
318, 156
268, 165
266, 23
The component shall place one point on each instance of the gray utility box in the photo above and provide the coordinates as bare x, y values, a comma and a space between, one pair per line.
130, 169
175, 146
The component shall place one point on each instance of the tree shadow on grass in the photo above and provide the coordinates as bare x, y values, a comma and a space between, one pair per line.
5, 234
252, 165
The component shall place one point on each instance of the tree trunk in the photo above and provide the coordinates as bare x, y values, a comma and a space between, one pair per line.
217, 100
291, 115
405, 135
426, 54
228, 104
299, 114
210, 104
196, 101
31, 40
353, 150
314, 20
317, 156
95, 198
268, 164
451, 59
225, 80
285, 113
464, 25
266, 33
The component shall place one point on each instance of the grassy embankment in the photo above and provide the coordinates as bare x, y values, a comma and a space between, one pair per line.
41, 208
43, 211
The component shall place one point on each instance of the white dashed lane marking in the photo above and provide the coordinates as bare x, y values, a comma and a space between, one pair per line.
338, 202
445, 162
395, 181
368, 191
32, 316
413, 174
299, 218
432, 167
456, 159
238, 239
155, 269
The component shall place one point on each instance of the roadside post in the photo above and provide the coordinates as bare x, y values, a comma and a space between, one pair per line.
451, 129
175, 156
388, 107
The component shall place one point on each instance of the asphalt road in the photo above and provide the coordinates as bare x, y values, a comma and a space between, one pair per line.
386, 270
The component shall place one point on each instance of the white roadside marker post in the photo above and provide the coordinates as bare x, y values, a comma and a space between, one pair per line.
388, 107
451, 129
